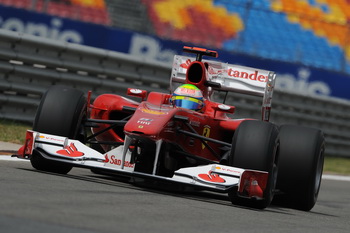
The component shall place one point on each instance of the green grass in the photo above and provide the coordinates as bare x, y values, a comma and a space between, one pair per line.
11, 131
334, 165
14, 132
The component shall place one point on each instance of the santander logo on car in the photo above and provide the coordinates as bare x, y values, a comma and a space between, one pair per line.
245, 75
234, 72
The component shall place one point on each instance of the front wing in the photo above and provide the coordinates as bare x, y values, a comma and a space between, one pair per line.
214, 177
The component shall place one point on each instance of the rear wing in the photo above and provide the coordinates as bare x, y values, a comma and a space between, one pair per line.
232, 78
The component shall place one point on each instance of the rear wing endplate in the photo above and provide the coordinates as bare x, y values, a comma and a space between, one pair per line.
232, 78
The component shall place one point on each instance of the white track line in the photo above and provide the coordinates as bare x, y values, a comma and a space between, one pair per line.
9, 158
336, 177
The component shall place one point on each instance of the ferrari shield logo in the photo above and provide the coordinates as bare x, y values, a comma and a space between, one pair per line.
206, 133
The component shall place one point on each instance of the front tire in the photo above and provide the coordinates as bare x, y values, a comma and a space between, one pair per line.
300, 166
255, 146
60, 112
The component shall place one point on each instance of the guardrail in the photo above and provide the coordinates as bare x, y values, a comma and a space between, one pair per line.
29, 65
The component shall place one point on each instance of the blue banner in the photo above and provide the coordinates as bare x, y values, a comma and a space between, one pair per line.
291, 77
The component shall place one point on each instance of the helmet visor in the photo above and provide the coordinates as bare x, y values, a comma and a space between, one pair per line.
187, 102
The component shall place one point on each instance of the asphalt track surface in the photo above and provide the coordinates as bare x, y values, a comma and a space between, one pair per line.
84, 202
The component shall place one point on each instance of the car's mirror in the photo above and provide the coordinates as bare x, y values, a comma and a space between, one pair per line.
137, 93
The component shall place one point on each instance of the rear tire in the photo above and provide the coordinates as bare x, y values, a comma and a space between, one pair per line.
255, 146
60, 112
300, 166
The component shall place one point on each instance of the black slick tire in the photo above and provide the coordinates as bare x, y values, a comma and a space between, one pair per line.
300, 166
60, 112
255, 146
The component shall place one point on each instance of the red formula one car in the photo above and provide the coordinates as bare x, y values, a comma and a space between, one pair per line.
183, 138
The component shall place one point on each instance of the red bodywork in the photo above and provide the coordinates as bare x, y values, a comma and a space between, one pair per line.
155, 121
155, 118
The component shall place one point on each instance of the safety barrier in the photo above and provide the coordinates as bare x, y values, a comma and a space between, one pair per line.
29, 65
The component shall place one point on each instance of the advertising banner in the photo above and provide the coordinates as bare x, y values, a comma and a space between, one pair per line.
290, 77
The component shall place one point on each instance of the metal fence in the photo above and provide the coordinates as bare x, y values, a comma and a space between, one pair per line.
29, 65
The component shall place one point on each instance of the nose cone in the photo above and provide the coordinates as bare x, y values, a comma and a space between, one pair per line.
149, 120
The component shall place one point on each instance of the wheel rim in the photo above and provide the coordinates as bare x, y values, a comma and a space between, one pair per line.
274, 182
319, 170
274, 173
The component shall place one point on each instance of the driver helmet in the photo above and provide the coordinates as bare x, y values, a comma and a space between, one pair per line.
188, 96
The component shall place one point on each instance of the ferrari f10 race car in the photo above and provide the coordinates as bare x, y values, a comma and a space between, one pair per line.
183, 138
